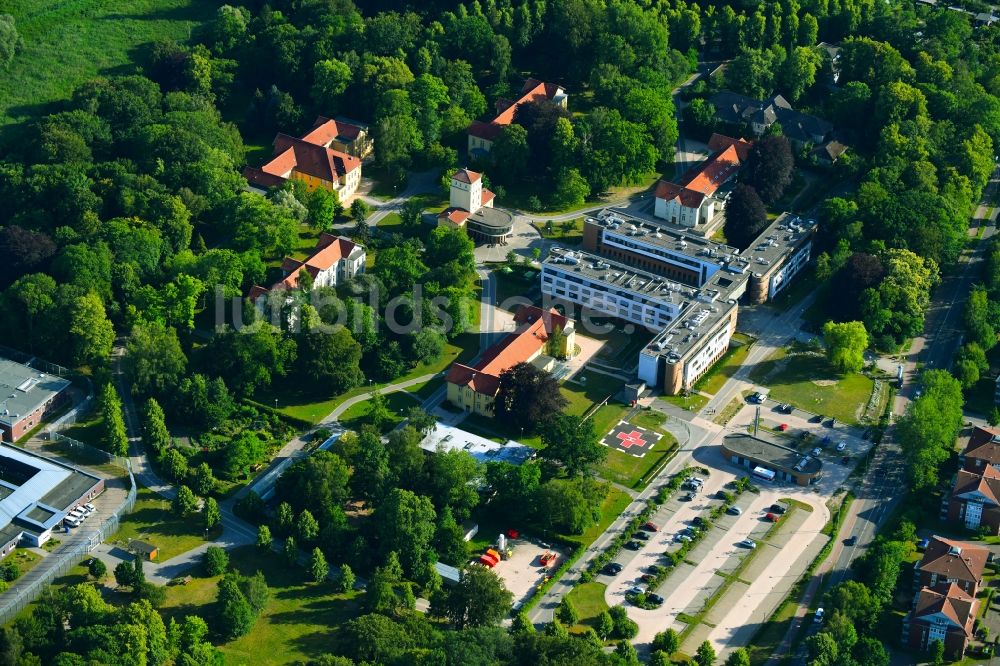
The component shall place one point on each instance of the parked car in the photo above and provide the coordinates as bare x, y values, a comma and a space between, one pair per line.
923, 543
698, 521
841, 446
748, 543
654, 598
688, 497
90, 507
771, 517
647, 578
785, 408
655, 569
831, 423
783, 427
721, 494
734, 511
777, 508
817, 419
697, 480
633, 545
72, 522
818, 617
682, 538
851, 540
635, 590
642, 536
612, 569
816, 452
651, 527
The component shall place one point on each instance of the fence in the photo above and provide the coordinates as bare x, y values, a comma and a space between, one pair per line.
34, 583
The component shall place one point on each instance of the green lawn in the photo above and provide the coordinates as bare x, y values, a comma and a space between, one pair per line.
807, 381
691, 402
587, 388
399, 404
569, 232
588, 599
391, 222
614, 503
153, 521
723, 370
512, 282
628, 469
67, 43
297, 624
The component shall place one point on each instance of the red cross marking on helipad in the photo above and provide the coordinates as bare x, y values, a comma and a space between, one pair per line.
630, 439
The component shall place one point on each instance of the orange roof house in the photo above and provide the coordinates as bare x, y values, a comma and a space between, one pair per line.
310, 160
335, 260
983, 450
690, 202
951, 561
474, 388
944, 612
482, 134
347, 136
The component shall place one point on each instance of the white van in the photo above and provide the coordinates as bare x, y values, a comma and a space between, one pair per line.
71, 521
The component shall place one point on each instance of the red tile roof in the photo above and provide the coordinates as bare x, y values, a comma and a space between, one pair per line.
704, 179
329, 250
466, 176
535, 326
984, 444
307, 156
532, 91
955, 560
455, 215
487, 196
987, 483
719, 142
951, 601
325, 130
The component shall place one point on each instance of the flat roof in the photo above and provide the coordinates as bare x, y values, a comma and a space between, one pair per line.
771, 453
492, 217
663, 234
40, 489
450, 438
781, 238
620, 276
24, 389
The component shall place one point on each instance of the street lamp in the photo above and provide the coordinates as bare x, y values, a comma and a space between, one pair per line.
276, 404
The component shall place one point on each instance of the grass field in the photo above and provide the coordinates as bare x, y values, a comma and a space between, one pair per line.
588, 599
154, 522
627, 469
399, 403
67, 43
563, 232
295, 626
723, 370
593, 388
612, 506
808, 382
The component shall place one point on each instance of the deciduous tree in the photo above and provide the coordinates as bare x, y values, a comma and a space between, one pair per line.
845, 345
746, 216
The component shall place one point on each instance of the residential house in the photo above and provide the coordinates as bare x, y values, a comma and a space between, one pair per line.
334, 261
982, 450
945, 613
975, 500
947, 561
483, 134
692, 201
471, 208
347, 136
474, 388
310, 161
801, 129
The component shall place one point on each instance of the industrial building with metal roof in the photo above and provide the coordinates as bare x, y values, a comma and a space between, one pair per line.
26, 396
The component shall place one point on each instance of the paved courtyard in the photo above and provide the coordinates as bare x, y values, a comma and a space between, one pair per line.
523, 572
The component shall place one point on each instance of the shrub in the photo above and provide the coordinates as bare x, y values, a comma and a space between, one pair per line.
215, 561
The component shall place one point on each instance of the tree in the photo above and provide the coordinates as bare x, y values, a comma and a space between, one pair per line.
306, 527
479, 599
154, 427
738, 657
935, 652
527, 395
265, 541
330, 80
981, 319
573, 442
318, 568
624, 627
215, 560
243, 451
797, 73
769, 167
705, 655
202, 480
399, 267
92, 332
154, 359
870, 651
927, 431
236, 616
822, 649
212, 517
286, 517
114, 436
10, 40
291, 551
567, 612
319, 481
185, 503
625, 651
259, 224
428, 345
605, 625
97, 569
405, 523
571, 188
345, 581
746, 216
668, 641
510, 153
845, 345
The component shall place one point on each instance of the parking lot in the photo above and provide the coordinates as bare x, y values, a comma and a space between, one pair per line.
777, 563
524, 571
